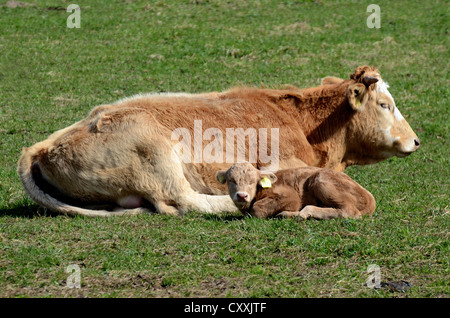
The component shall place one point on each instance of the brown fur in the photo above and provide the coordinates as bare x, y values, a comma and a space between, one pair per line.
123, 152
307, 192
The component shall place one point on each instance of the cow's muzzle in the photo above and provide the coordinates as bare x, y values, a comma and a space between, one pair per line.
241, 197
412, 147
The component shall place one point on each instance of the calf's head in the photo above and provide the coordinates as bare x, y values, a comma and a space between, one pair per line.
243, 181
377, 129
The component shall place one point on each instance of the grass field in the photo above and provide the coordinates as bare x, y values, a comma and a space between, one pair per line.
51, 76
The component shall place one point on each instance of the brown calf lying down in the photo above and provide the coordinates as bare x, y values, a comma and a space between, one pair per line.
306, 192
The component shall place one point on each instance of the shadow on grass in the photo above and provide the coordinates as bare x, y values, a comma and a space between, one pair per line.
30, 211
223, 217
26, 211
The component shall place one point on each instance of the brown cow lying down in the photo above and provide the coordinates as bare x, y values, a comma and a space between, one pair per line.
127, 157
306, 192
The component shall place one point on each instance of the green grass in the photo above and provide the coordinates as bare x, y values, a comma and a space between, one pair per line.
51, 76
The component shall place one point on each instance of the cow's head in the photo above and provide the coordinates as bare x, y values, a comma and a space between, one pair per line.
377, 130
243, 181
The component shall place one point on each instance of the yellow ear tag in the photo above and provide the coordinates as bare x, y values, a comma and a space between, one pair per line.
265, 183
358, 103
220, 178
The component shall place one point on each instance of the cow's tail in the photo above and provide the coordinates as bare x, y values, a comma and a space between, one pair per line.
29, 171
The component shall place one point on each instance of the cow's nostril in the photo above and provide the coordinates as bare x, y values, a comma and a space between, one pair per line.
417, 142
241, 197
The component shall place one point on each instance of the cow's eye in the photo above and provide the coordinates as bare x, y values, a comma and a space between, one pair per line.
385, 106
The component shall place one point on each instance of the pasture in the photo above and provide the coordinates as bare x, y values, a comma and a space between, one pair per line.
52, 76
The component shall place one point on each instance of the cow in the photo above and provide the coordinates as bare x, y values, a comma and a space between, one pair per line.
303, 193
137, 155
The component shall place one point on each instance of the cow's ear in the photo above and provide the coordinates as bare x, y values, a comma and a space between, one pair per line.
331, 80
221, 176
369, 80
357, 96
267, 179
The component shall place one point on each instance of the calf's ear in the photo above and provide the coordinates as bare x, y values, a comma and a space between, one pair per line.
221, 176
357, 96
266, 179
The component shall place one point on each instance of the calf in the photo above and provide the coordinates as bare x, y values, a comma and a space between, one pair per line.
306, 192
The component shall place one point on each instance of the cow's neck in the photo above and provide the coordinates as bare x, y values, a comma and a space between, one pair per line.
323, 113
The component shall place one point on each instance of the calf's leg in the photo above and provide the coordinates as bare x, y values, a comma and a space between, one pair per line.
271, 206
335, 196
319, 213
265, 208
315, 212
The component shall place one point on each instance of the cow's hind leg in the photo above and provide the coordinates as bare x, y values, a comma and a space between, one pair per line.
172, 194
167, 188
152, 170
